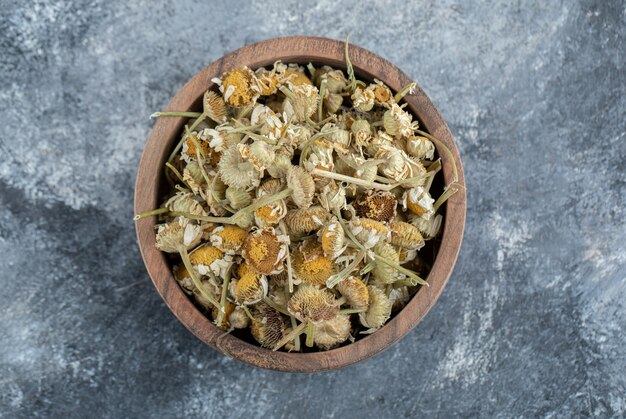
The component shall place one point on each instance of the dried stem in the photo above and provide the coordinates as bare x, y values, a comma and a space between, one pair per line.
222, 310
350, 179
403, 92
290, 336
352, 310
150, 213
310, 332
194, 277
180, 114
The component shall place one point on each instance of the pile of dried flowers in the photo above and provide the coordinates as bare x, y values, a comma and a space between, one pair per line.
301, 197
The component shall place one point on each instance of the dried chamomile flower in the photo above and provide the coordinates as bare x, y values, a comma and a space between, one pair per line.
192, 175
406, 235
214, 194
295, 76
305, 220
237, 198
332, 197
281, 165
264, 251
310, 303
382, 94
259, 153
379, 309
399, 297
209, 259
363, 99
228, 310
184, 279
228, 238
428, 227
249, 289
332, 237
420, 147
196, 147
406, 255
179, 233
270, 214
239, 87
185, 202
418, 201
382, 272
368, 232
267, 81
237, 172
397, 164
319, 156
355, 292
312, 267
271, 124
238, 319
332, 102
328, 334
336, 81
302, 185
279, 279
214, 106
361, 132
376, 205
301, 102
399, 123
268, 325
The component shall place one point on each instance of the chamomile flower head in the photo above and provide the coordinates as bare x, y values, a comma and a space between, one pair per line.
378, 311
382, 94
355, 292
185, 202
361, 132
264, 251
332, 237
214, 106
192, 175
398, 123
267, 81
196, 147
239, 87
302, 185
406, 255
382, 272
259, 153
224, 323
312, 266
208, 259
228, 238
420, 147
406, 235
429, 227
237, 198
238, 319
270, 123
332, 197
332, 102
295, 76
369, 232
237, 172
301, 102
376, 205
181, 232
268, 325
335, 80
397, 164
363, 99
418, 201
306, 220
328, 334
310, 303
249, 289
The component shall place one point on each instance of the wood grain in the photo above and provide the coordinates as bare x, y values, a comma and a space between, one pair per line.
149, 186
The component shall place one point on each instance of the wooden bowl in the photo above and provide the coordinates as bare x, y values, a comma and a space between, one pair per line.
150, 188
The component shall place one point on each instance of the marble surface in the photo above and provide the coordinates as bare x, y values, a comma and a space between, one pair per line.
532, 321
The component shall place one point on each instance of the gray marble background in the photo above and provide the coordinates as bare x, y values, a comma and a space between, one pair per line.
533, 320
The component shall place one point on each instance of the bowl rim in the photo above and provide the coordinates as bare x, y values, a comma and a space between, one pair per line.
301, 49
